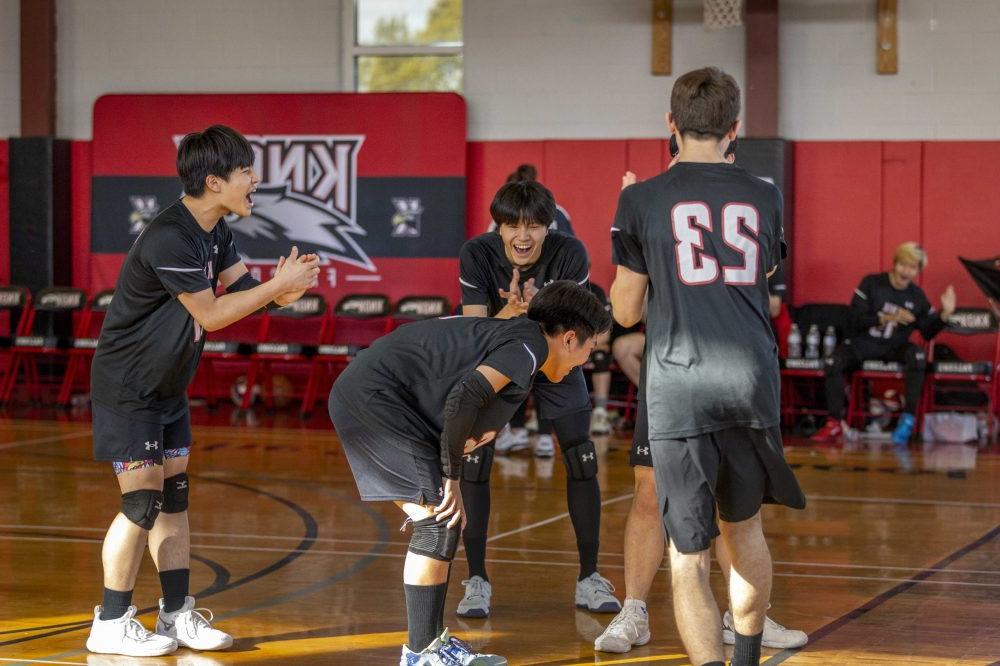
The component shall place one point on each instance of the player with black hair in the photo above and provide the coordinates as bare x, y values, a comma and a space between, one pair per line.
414, 411
499, 274
147, 353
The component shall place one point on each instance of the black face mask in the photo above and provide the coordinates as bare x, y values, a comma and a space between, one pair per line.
675, 149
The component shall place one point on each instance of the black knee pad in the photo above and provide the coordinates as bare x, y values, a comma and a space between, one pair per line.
175, 493
476, 466
434, 539
142, 507
601, 360
581, 461
916, 359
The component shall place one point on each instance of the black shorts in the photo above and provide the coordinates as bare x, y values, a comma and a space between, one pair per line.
124, 439
555, 400
382, 466
695, 474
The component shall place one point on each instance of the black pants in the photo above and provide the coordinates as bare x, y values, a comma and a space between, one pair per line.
848, 357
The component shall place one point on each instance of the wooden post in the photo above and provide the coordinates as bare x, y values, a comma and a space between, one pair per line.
886, 40
38, 67
663, 26
761, 98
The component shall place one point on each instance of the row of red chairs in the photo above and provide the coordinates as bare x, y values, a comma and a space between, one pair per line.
307, 337
802, 379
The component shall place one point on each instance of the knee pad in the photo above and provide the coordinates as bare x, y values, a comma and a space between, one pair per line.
476, 466
581, 461
142, 507
434, 539
916, 359
175, 493
601, 360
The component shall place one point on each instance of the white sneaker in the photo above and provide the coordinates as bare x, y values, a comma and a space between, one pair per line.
476, 602
512, 440
191, 629
600, 423
531, 423
630, 628
594, 594
545, 446
126, 635
775, 635
449, 651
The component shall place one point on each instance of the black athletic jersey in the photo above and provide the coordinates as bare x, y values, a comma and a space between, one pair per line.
149, 345
876, 294
560, 222
400, 384
706, 235
484, 268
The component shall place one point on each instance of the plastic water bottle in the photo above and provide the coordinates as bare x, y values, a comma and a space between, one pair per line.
812, 342
829, 341
795, 342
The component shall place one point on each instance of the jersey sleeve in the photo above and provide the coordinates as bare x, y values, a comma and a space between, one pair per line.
518, 360
574, 264
228, 256
626, 243
778, 249
473, 276
863, 309
176, 264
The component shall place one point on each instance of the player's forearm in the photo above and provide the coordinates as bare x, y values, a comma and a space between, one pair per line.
232, 307
464, 402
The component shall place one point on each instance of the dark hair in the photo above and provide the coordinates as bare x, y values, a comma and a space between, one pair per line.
705, 103
564, 305
523, 172
523, 200
217, 151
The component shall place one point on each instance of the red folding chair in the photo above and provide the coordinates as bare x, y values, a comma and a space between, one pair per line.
948, 377
358, 320
15, 303
289, 339
84, 345
415, 308
47, 333
226, 355
802, 379
873, 372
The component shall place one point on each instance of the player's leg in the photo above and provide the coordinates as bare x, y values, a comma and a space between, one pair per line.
686, 472
627, 350
140, 481
914, 368
476, 468
844, 360
600, 379
425, 574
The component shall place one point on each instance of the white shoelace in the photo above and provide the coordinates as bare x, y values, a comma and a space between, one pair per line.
605, 585
624, 620
475, 588
135, 630
199, 620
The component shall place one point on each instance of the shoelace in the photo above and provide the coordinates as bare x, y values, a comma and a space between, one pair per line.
474, 588
608, 588
774, 625
623, 619
200, 620
134, 628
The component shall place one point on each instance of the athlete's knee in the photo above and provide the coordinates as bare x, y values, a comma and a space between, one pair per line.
688, 565
836, 364
644, 499
915, 359
434, 539
476, 466
175, 493
142, 506
601, 360
581, 460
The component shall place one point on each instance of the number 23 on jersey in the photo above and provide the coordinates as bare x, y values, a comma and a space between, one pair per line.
689, 221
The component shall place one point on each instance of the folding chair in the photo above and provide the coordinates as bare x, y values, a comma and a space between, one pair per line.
15, 303
802, 379
358, 320
229, 349
84, 345
48, 335
415, 308
948, 377
871, 372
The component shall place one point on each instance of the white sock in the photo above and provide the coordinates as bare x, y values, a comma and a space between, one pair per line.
636, 604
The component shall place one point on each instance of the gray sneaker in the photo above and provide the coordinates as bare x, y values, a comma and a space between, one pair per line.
512, 440
594, 594
630, 628
476, 602
775, 635
449, 651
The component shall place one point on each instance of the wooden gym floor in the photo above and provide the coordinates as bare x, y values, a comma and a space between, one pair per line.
881, 568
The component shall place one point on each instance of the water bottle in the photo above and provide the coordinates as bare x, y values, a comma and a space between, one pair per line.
795, 342
829, 341
812, 342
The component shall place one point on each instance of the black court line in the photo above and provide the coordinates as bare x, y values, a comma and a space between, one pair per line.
874, 603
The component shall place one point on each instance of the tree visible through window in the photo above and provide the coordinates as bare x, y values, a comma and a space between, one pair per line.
409, 46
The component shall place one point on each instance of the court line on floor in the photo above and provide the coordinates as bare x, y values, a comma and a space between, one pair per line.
872, 604
553, 519
44, 440
516, 549
43, 661
901, 500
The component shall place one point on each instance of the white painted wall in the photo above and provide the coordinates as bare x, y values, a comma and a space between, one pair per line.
538, 69
10, 68
107, 46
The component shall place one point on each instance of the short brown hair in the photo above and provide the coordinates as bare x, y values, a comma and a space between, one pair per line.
705, 103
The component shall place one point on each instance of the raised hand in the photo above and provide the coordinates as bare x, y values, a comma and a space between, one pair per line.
529, 290
948, 301
295, 273
628, 179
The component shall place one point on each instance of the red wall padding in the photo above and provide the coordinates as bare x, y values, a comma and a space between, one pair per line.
4, 214
81, 170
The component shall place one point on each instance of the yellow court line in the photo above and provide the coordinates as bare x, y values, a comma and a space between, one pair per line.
636, 660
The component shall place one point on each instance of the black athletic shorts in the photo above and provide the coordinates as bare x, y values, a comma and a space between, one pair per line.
555, 400
383, 469
124, 439
694, 475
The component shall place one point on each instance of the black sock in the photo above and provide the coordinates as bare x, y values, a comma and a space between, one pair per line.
714, 663
423, 605
115, 604
584, 501
440, 611
746, 652
175, 588
476, 497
